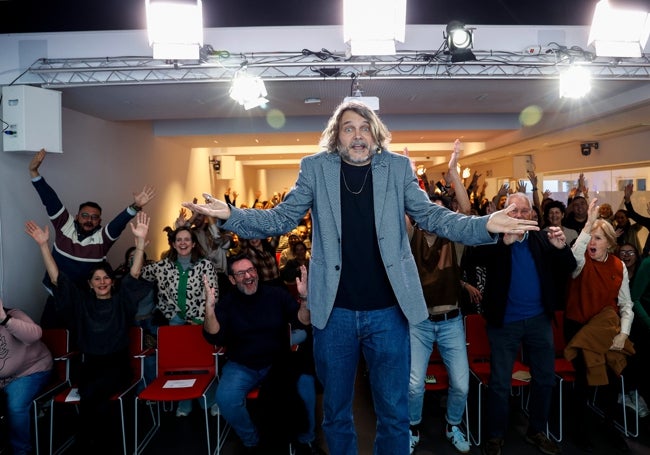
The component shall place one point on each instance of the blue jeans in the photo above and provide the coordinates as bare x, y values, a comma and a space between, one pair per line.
450, 337
234, 384
535, 335
20, 395
382, 336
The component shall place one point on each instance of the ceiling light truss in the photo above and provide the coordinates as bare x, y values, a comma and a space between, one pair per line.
52, 73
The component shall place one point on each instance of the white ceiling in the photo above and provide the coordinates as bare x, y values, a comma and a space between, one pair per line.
423, 115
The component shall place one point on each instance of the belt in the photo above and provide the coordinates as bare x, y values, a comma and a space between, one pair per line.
444, 316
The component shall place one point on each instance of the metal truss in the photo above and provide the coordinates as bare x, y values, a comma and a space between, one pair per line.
308, 65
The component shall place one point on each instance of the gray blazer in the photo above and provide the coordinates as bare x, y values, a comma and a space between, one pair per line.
396, 193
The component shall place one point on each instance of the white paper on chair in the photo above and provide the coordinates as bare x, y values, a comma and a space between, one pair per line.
179, 383
73, 395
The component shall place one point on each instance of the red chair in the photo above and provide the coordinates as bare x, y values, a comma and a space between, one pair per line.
70, 397
58, 342
187, 366
478, 355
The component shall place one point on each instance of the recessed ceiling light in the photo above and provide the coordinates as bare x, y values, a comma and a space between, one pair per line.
312, 100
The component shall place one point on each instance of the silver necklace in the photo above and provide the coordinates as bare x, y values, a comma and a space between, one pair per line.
362, 185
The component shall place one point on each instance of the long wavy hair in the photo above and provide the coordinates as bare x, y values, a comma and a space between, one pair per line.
329, 140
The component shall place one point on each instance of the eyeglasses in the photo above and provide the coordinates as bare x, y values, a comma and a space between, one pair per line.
242, 274
85, 216
626, 253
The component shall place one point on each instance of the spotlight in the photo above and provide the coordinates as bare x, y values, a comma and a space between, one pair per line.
459, 41
585, 147
247, 90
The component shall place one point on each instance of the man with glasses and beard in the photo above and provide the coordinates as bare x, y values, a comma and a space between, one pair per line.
80, 242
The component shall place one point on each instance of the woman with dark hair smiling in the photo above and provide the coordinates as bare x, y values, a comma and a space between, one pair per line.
101, 316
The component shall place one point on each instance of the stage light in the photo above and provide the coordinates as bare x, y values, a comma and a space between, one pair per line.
459, 40
575, 82
371, 27
247, 90
619, 32
175, 28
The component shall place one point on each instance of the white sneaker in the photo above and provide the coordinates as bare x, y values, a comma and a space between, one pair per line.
456, 437
643, 407
181, 413
214, 410
415, 439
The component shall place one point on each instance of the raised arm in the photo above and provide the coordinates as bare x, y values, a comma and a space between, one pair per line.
140, 230
41, 237
464, 205
143, 197
35, 163
210, 323
304, 315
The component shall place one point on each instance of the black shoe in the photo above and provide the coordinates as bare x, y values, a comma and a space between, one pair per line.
308, 448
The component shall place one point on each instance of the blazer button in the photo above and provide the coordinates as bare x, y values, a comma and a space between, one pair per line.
337, 268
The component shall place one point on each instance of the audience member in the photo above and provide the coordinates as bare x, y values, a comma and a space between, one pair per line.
291, 268
639, 219
214, 242
598, 316
80, 243
625, 231
554, 215
364, 289
178, 278
438, 263
635, 375
606, 213
289, 253
25, 368
262, 255
629, 255
102, 317
252, 324
640, 293
526, 275
147, 315
577, 218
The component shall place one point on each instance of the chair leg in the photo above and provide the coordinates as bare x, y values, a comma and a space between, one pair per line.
155, 417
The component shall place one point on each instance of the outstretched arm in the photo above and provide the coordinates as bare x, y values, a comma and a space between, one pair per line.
461, 193
501, 222
213, 207
41, 237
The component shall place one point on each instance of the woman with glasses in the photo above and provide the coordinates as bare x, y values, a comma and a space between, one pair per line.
629, 254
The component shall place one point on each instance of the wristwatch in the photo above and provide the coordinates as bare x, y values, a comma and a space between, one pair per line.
135, 207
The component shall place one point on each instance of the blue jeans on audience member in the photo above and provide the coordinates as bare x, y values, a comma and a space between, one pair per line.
234, 384
450, 337
383, 338
535, 335
149, 362
20, 395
